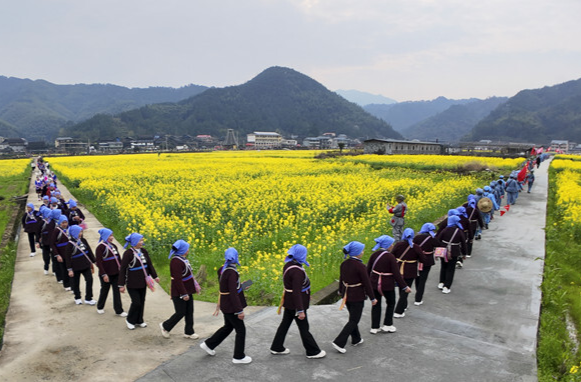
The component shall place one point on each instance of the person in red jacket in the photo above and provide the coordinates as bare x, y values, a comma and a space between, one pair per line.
295, 300
109, 264
354, 285
232, 303
183, 286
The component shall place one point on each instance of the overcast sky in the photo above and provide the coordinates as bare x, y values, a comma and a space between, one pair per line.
402, 49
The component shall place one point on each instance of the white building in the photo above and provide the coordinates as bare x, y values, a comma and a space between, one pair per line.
264, 140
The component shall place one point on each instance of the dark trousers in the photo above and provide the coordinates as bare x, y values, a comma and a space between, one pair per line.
231, 322
421, 283
402, 302
32, 241
182, 309
469, 248
46, 258
88, 284
351, 327
62, 273
447, 272
309, 342
389, 296
135, 314
112, 284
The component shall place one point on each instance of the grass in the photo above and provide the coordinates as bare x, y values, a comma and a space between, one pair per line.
558, 355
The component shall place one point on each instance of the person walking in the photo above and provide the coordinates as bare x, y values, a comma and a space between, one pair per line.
232, 303
530, 180
295, 301
398, 219
109, 264
427, 241
30, 223
59, 243
408, 255
79, 260
45, 228
453, 237
384, 273
183, 287
137, 272
354, 285
512, 189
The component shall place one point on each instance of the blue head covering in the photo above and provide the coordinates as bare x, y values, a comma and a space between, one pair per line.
53, 200
471, 197
30, 205
354, 248
179, 248
384, 241
408, 235
104, 234
453, 212
479, 191
231, 257
133, 239
428, 228
297, 252
72, 203
454, 221
487, 188
63, 218
46, 212
501, 177
462, 211
45, 197
51, 185
55, 214
74, 231
472, 203
493, 184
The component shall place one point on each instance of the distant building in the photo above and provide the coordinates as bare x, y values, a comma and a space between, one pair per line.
37, 147
392, 146
264, 140
70, 145
322, 142
111, 146
13, 145
560, 145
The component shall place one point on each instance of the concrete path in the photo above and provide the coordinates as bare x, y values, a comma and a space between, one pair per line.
485, 330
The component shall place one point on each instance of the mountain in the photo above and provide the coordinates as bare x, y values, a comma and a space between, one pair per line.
39, 109
278, 99
453, 123
8, 131
362, 98
404, 114
539, 116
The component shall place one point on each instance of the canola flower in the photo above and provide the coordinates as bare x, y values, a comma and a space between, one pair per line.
568, 193
13, 167
261, 203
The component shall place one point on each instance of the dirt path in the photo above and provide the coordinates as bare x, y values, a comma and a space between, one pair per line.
49, 338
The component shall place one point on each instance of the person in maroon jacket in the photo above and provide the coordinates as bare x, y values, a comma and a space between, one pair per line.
30, 222
45, 228
427, 241
408, 255
183, 286
59, 242
80, 259
354, 285
468, 233
295, 300
453, 237
109, 264
135, 265
232, 303
384, 272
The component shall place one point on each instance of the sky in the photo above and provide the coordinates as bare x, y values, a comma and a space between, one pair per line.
402, 49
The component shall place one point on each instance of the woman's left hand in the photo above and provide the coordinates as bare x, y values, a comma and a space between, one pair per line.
157, 280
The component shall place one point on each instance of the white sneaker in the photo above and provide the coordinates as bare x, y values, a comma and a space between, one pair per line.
129, 326
321, 354
164, 332
446, 290
68, 289
60, 281
397, 315
90, 302
388, 328
122, 314
418, 303
32, 254
246, 359
339, 348
143, 325
358, 343
374, 331
207, 349
192, 336
79, 302
45, 272
440, 285
459, 264
100, 311
468, 256
285, 351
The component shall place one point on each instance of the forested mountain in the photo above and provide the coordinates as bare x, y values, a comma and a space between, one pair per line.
404, 114
278, 99
453, 123
539, 115
363, 98
38, 109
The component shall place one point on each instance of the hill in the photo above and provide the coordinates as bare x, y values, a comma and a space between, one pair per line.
453, 123
539, 115
404, 114
278, 99
39, 109
362, 98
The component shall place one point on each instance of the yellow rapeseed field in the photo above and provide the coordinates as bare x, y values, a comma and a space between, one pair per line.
568, 193
262, 203
12, 167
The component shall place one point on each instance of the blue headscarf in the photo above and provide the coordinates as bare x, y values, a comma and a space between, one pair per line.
63, 218
297, 252
454, 221
408, 235
384, 241
231, 257
104, 234
30, 205
53, 200
462, 211
493, 184
472, 203
133, 239
45, 197
46, 212
72, 203
179, 248
479, 191
74, 231
354, 248
487, 188
501, 177
453, 212
55, 214
428, 228
471, 197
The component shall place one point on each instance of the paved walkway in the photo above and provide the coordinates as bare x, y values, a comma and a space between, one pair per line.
485, 330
